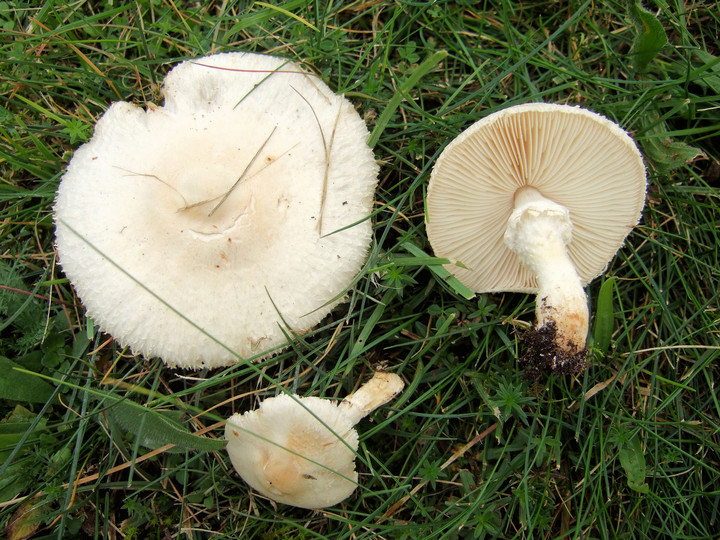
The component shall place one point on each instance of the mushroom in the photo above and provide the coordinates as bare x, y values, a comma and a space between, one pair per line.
301, 450
215, 227
537, 198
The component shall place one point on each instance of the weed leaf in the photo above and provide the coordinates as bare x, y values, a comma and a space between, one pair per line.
650, 36
604, 317
12, 430
21, 385
155, 429
667, 154
632, 460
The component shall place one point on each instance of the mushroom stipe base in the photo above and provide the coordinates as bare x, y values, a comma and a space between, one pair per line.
543, 354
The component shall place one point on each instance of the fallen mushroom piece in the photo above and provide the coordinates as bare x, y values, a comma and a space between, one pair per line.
220, 223
537, 198
301, 450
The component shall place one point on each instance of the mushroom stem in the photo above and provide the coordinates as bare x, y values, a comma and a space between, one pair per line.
376, 392
538, 231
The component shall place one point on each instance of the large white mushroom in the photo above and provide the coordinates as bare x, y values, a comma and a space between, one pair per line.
301, 450
537, 198
215, 226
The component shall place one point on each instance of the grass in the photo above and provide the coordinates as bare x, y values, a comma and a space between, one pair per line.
470, 450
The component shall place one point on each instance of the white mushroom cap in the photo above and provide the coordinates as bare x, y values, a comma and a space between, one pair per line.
301, 450
242, 203
307, 463
574, 157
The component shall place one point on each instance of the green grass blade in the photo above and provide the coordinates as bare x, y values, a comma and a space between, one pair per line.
403, 92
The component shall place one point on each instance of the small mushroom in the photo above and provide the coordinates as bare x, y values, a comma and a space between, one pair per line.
301, 450
215, 226
537, 198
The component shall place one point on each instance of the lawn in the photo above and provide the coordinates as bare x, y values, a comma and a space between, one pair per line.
97, 443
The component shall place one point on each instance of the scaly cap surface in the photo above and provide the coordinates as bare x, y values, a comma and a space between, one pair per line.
239, 203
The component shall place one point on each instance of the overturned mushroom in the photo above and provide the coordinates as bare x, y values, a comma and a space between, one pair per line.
215, 227
301, 450
537, 198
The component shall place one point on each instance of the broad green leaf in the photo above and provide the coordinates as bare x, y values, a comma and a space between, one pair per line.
632, 460
604, 317
650, 36
19, 309
667, 154
21, 385
23, 472
155, 429
13, 428
15, 480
